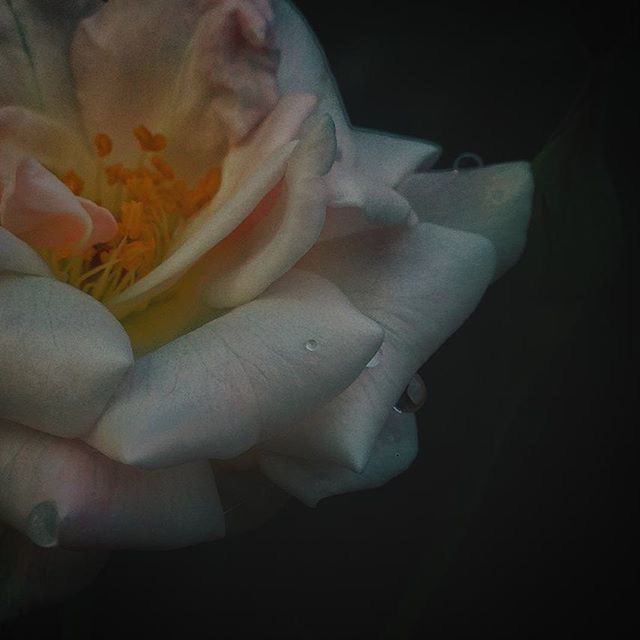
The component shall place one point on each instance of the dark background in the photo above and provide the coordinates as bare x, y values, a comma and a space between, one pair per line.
517, 519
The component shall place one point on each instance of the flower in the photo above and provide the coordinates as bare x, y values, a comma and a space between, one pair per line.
202, 260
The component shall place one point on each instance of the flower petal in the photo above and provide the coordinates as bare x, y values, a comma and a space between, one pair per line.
17, 256
103, 225
203, 70
34, 69
380, 203
43, 212
279, 128
395, 449
51, 142
493, 201
369, 164
230, 384
284, 234
61, 492
387, 158
419, 283
62, 355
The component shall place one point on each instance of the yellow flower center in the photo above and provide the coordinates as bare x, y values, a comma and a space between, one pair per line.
151, 205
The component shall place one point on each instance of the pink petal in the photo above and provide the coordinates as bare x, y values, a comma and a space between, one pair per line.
105, 225
43, 212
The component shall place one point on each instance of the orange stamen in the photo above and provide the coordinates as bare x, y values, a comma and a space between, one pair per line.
148, 141
103, 145
151, 204
132, 219
137, 254
163, 167
74, 182
204, 191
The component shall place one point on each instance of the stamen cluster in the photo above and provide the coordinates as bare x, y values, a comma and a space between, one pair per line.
151, 205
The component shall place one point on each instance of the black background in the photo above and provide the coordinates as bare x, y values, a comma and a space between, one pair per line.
516, 520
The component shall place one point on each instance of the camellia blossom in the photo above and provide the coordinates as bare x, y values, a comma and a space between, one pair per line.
213, 289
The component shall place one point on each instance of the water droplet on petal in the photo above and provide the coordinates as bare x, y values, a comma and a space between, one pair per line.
468, 161
312, 345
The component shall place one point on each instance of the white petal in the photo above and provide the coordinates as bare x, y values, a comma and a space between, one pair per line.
420, 283
369, 164
62, 355
493, 201
381, 204
18, 257
303, 69
286, 232
203, 72
34, 39
229, 385
278, 129
387, 158
369, 179
61, 492
54, 144
395, 449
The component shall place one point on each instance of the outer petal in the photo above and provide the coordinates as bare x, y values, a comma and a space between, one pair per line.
34, 39
393, 452
369, 165
18, 257
369, 179
231, 384
420, 283
387, 158
62, 355
493, 201
199, 66
61, 492
303, 68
